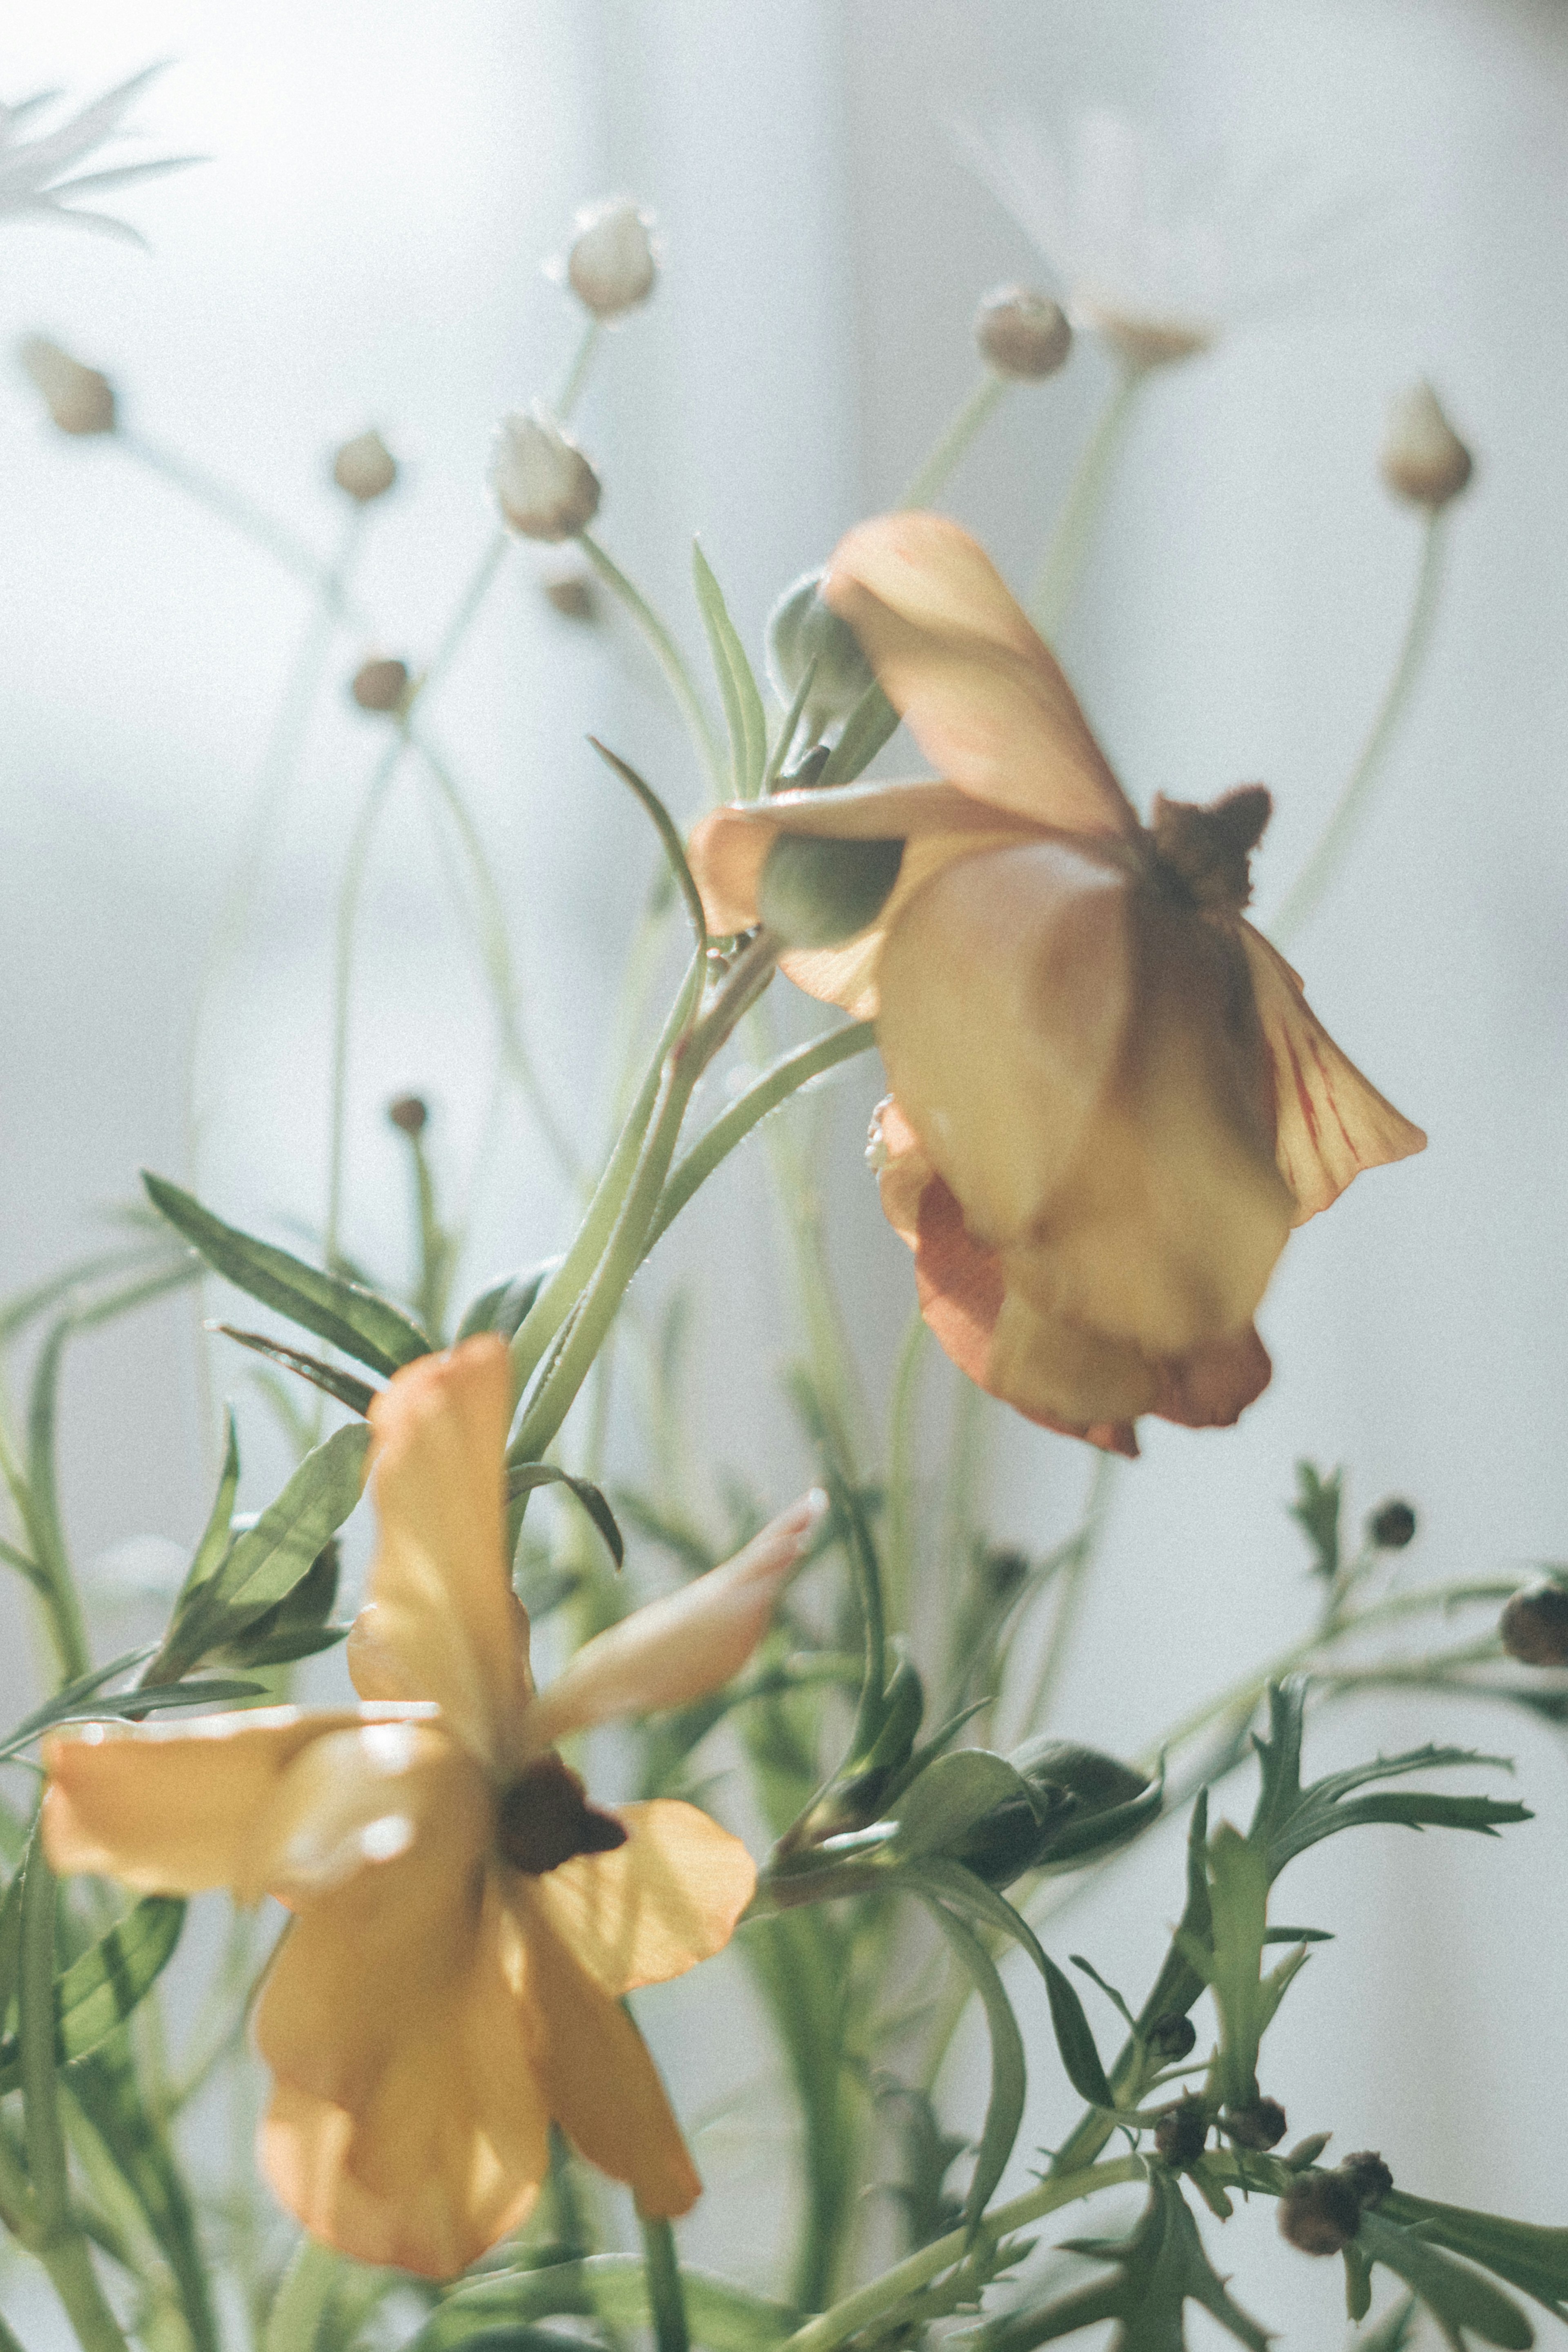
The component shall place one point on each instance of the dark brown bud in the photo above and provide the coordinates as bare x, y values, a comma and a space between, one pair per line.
1260, 2125
1180, 2134
1172, 2036
409, 1114
365, 468
1368, 2176
1534, 1625
1022, 333
380, 686
544, 1819
1203, 853
1319, 2214
1424, 460
573, 593
1392, 1526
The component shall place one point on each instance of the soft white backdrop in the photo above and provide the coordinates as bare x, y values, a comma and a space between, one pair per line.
364, 245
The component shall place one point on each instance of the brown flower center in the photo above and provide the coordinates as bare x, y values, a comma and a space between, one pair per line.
1202, 853
544, 1818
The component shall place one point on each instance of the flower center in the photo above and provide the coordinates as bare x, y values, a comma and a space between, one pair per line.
1202, 854
544, 1818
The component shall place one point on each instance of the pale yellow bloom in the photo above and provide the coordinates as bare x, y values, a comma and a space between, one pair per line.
465, 1921
1110, 1100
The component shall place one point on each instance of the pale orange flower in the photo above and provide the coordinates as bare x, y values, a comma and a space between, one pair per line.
1110, 1101
465, 1922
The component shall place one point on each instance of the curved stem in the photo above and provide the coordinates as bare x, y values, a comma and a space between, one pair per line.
577, 374
1075, 528
666, 2295
1307, 891
242, 514
668, 657
987, 396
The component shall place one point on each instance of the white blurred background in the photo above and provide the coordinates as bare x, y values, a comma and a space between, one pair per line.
363, 246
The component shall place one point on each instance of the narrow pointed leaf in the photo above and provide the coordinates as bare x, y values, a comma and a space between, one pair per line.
1528, 2254
868, 725
530, 1475
1004, 2107
98, 1991
358, 1395
1459, 2298
218, 1533
737, 683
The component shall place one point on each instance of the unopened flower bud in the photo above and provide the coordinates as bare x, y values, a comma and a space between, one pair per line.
379, 685
79, 399
1534, 1625
613, 261
1368, 2176
1180, 2134
1424, 460
1022, 333
1319, 2214
1392, 1526
1259, 2126
365, 468
409, 1113
817, 892
1172, 2036
573, 593
805, 634
544, 485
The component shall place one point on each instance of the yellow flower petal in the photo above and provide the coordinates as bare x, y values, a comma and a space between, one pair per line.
408, 2124
1329, 1121
653, 1908
957, 658
440, 1620
682, 1646
168, 1808
356, 1798
600, 2083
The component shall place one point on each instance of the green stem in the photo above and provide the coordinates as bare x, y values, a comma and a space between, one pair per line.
1080, 510
300, 2304
1307, 891
856, 2312
666, 2295
668, 655
577, 374
62, 1609
785, 1077
986, 395
242, 514
901, 1547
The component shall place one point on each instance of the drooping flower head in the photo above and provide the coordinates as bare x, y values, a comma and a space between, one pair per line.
1110, 1101
466, 1919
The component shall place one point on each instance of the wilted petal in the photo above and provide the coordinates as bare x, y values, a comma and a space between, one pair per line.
653, 1908
408, 2125
682, 1646
956, 656
440, 1620
171, 1809
1329, 1121
600, 2083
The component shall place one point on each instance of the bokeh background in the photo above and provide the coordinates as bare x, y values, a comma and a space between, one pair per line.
363, 245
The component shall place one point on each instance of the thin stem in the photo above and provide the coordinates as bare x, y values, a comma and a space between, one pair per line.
903, 1418
464, 614
1307, 891
577, 374
986, 395
242, 514
666, 2294
1070, 1595
668, 655
1075, 528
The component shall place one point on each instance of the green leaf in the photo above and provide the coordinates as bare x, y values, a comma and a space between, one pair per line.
1288, 1819
668, 833
218, 1533
1529, 2255
504, 1307
1004, 2107
1358, 2283
27, 1306
1393, 2332
788, 727
1232, 1965
737, 684
1159, 2268
1178, 1984
817, 892
530, 1475
867, 728
98, 1992
358, 1395
106, 2091
80, 1701
269, 1559
298, 1626
612, 2288
1457, 2298
950, 1797
360, 1322
1316, 1511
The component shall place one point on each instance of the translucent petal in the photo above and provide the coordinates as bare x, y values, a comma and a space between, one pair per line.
653, 1908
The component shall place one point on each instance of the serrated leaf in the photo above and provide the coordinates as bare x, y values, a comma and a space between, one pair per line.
1178, 1984
358, 1322
530, 1475
1316, 1511
1232, 1965
1159, 2268
1458, 2299
868, 725
341, 1387
950, 1797
737, 683
98, 1992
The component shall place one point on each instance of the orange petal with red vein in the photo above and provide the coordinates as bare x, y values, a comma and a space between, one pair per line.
1329, 1121
958, 659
